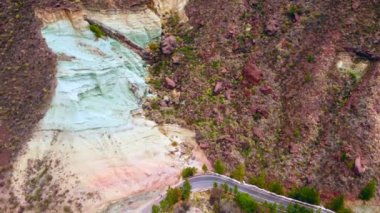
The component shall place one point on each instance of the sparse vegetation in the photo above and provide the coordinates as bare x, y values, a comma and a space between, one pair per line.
294, 10
310, 58
308, 77
21, 101
154, 47
98, 32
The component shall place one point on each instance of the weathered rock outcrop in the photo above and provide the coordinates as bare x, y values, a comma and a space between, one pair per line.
168, 44
252, 73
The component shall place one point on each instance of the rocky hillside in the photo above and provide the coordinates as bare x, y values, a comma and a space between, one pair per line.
289, 88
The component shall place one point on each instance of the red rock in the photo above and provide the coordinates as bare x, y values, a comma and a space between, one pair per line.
204, 145
259, 110
297, 17
176, 59
169, 83
266, 90
272, 26
355, 4
252, 73
258, 133
218, 87
247, 92
228, 94
168, 44
3, 133
294, 148
359, 166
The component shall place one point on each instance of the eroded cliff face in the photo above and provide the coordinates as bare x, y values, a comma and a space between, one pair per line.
165, 8
93, 145
113, 4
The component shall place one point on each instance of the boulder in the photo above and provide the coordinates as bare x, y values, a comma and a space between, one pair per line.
168, 44
204, 145
228, 94
266, 90
218, 88
258, 133
177, 58
259, 110
272, 26
169, 83
252, 73
359, 166
294, 148
355, 4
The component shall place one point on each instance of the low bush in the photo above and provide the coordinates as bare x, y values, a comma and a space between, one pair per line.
189, 172
246, 202
97, 31
219, 167
276, 187
306, 194
336, 204
368, 192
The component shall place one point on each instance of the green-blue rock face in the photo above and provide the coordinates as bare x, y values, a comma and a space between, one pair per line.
99, 81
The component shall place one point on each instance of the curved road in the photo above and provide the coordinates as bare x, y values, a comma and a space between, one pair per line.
206, 182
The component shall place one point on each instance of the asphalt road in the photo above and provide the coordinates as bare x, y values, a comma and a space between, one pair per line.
205, 182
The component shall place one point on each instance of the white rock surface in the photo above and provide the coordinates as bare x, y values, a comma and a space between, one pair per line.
165, 7
141, 27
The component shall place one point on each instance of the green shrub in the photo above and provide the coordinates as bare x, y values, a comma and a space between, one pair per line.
343, 156
336, 204
246, 202
97, 31
186, 190
154, 47
225, 187
269, 208
216, 64
236, 190
306, 194
368, 192
239, 172
293, 10
155, 209
258, 181
189, 172
298, 209
219, 167
173, 195
308, 77
215, 185
345, 210
276, 187
310, 58
204, 168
